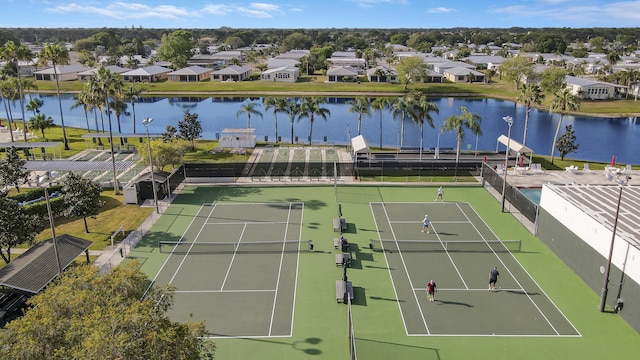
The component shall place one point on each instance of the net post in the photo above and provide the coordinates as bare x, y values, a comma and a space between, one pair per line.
310, 245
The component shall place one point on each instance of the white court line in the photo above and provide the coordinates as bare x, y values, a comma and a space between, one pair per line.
284, 244
181, 237
295, 283
245, 222
420, 221
509, 271
235, 252
406, 272
469, 289
223, 291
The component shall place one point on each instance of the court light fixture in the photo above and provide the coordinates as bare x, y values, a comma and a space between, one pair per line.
509, 121
146, 122
42, 179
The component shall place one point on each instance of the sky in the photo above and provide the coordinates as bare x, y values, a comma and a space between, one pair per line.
319, 14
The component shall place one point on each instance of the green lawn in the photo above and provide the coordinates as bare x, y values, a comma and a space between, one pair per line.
320, 325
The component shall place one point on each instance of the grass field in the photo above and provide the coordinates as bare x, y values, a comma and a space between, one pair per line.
320, 324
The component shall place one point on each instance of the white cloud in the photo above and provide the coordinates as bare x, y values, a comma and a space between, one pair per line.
440, 10
217, 9
372, 3
577, 13
121, 10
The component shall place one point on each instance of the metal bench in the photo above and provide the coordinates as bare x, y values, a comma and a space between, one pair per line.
339, 224
342, 259
342, 292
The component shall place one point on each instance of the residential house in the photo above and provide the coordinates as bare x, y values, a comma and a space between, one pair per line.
63, 73
114, 69
191, 74
382, 74
275, 63
347, 58
592, 89
232, 73
281, 74
461, 74
342, 73
483, 61
153, 73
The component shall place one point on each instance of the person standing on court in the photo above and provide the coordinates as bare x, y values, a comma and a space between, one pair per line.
494, 275
431, 290
425, 224
440, 193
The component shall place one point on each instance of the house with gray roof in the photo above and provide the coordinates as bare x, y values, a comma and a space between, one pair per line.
275, 63
592, 89
281, 74
153, 73
461, 74
88, 74
232, 73
342, 73
382, 74
191, 74
63, 73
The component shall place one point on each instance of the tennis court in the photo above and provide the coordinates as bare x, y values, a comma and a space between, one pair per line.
458, 253
236, 267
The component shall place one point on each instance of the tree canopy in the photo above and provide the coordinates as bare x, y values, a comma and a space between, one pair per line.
177, 48
87, 315
190, 128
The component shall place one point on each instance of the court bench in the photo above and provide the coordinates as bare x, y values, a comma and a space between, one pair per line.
342, 259
339, 244
339, 224
341, 291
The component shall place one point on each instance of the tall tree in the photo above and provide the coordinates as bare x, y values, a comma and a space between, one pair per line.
410, 70
293, 109
379, 104
420, 109
567, 142
249, 108
41, 122
81, 197
131, 93
88, 315
190, 128
177, 48
361, 105
513, 69
309, 108
279, 105
16, 227
12, 170
56, 55
458, 123
530, 95
34, 105
80, 100
119, 107
399, 107
14, 54
562, 102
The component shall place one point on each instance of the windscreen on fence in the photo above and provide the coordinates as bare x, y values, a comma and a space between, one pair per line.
526, 206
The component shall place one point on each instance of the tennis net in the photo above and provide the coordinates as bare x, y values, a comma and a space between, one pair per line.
249, 247
446, 245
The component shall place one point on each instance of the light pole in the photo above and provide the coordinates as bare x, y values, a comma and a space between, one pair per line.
50, 175
509, 121
146, 122
436, 154
605, 286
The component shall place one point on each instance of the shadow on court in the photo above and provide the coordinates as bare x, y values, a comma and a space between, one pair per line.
307, 346
372, 349
384, 299
453, 303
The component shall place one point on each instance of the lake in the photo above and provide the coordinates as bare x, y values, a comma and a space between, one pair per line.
599, 138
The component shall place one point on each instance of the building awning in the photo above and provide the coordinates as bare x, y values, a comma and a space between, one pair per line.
514, 145
359, 145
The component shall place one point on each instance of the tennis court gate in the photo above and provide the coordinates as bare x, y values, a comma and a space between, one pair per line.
514, 196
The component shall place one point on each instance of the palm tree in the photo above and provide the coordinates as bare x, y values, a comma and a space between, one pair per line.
562, 102
9, 94
420, 110
293, 109
399, 108
34, 105
279, 105
119, 107
249, 108
362, 106
458, 123
102, 86
41, 122
132, 94
12, 53
379, 104
530, 94
311, 106
81, 100
56, 55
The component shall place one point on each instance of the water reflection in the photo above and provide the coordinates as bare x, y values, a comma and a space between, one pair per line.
599, 138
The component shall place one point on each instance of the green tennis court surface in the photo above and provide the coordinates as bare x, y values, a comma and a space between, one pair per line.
235, 267
263, 301
458, 253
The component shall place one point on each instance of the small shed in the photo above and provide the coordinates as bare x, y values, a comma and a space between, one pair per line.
238, 138
359, 145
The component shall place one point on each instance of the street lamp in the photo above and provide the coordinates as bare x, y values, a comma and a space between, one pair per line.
146, 122
49, 176
605, 286
509, 121
436, 154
